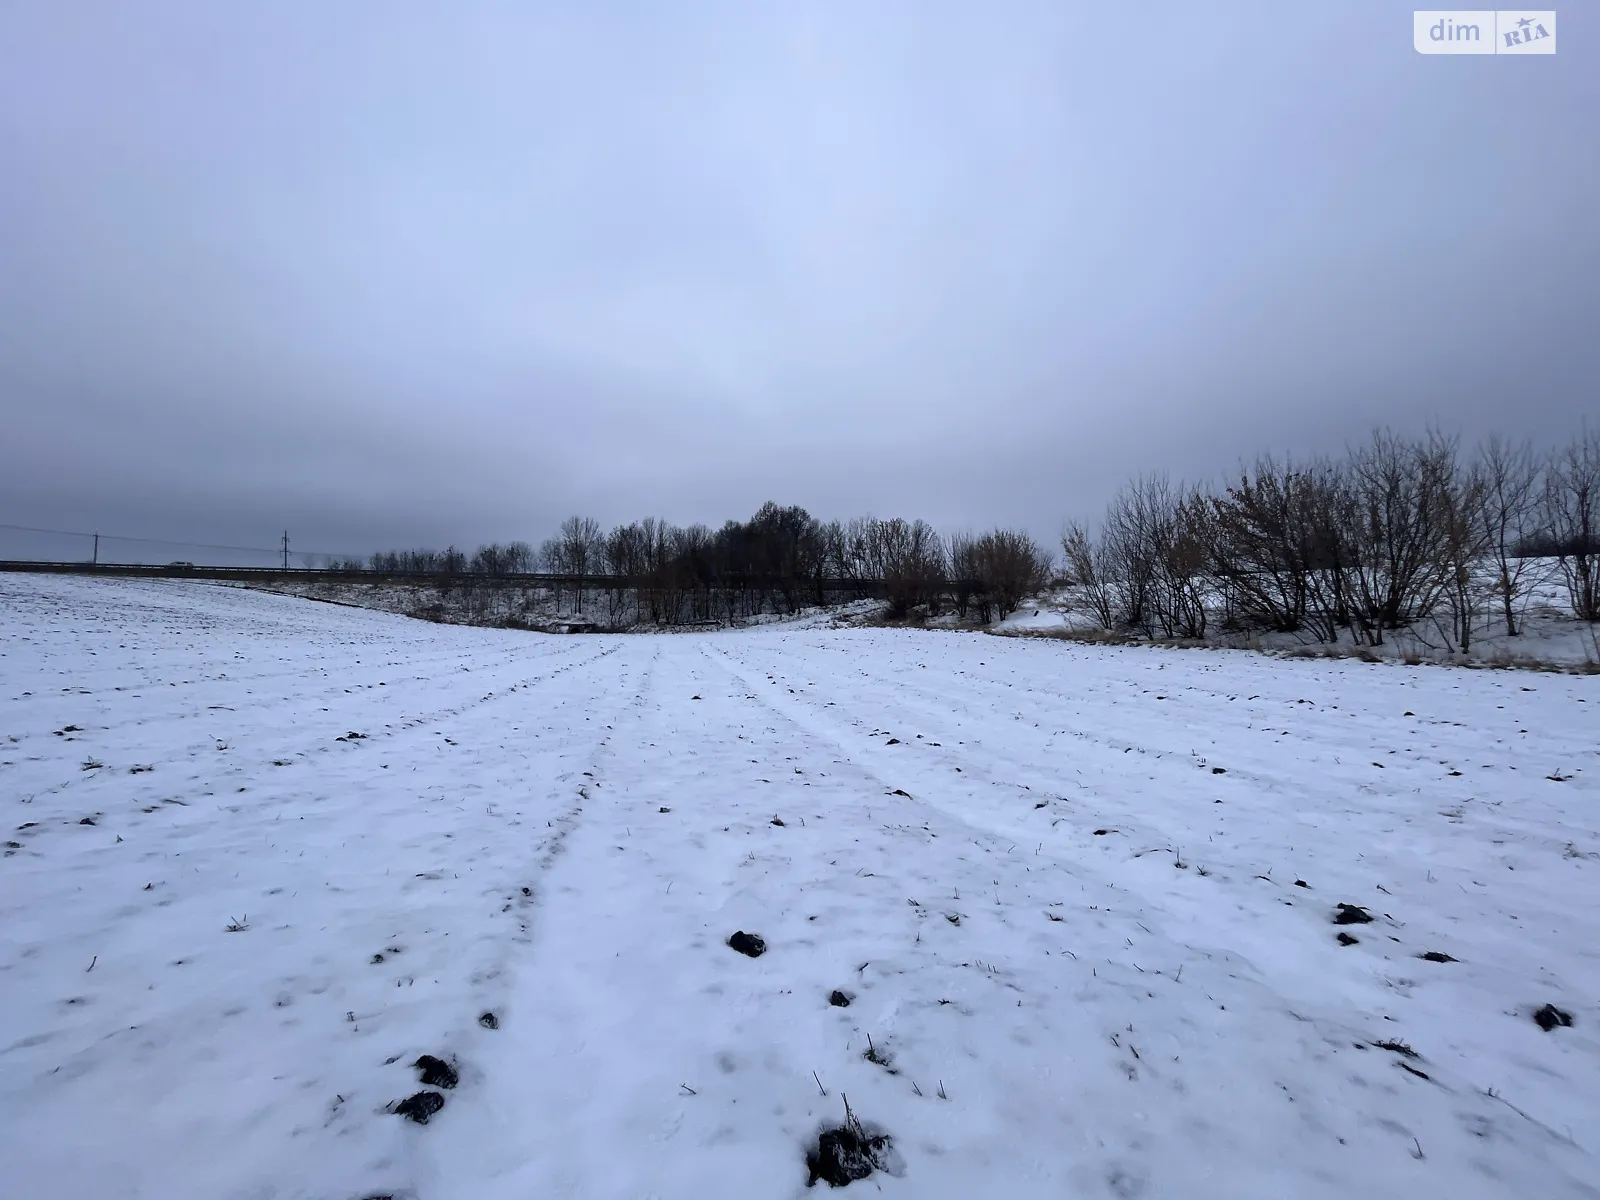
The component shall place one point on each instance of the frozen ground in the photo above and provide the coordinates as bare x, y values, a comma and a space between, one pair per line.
1080, 899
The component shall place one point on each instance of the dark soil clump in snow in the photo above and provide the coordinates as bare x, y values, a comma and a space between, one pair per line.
488, 1020
841, 1157
1352, 914
420, 1107
1437, 956
1548, 1017
436, 1072
1348, 939
748, 943
838, 999
846, 1154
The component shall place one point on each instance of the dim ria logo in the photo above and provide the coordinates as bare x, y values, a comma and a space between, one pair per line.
1453, 31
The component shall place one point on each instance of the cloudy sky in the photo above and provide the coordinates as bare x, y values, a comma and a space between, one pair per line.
413, 273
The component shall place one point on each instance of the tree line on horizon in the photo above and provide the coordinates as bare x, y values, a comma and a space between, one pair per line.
780, 560
1396, 530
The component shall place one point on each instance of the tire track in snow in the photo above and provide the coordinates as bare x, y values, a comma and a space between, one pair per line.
501, 1126
1315, 1025
301, 747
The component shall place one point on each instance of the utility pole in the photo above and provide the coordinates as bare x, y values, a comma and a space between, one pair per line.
285, 549
96, 559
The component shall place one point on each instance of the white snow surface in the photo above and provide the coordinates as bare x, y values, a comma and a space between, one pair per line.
1082, 951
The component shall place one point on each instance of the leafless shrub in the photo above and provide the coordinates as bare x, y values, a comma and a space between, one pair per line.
1396, 532
1009, 565
1183, 533
1572, 507
913, 565
1463, 536
1091, 568
1149, 569
1511, 516
1273, 548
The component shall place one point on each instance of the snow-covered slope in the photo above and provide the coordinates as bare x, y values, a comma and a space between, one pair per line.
1080, 900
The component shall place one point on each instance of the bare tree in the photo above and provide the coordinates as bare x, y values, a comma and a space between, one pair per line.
1011, 566
1463, 533
783, 548
1128, 552
1512, 518
832, 555
1182, 534
656, 537
1267, 545
870, 546
913, 564
490, 560
1088, 566
1396, 533
961, 554
518, 557
625, 553
583, 543
553, 556
1572, 506
578, 546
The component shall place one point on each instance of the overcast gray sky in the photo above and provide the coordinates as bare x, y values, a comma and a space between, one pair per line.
413, 273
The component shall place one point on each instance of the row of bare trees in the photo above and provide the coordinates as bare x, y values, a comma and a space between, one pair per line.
514, 558
783, 559
780, 560
1396, 532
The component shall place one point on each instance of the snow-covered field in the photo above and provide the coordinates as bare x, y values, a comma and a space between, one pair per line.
1079, 898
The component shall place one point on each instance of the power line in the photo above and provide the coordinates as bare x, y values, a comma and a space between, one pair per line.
112, 537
